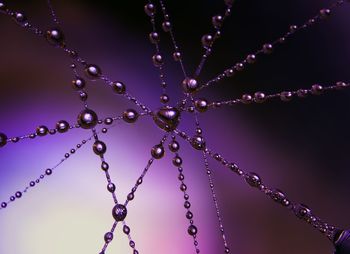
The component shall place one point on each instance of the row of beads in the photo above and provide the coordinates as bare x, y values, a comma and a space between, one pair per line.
259, 97
129, 116
47, 172
254, 180
268, 47
177, 162
202, 105
218, 214
199, 137
157, 59
208, 40
167, 27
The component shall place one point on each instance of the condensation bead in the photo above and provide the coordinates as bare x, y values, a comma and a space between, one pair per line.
42, 131
62, 126
227, 250
217, 21
293, 28
83, 96
279, 197
167, 118
253, 179
177, 56
201, 105
187, 204
251, 59
18, 194
177, 161
198, 142
157, 151
207, 40
130, 116
316, 89
150, 9
3, 139
164, 98
87, 119
108, 237
48, 171
78, 83
246, 98
259, 97
239, 67
286, 96
108, 121
157, 60
154, 37
55, 37
118, 87
104, 166
130, 196
20, 18
192, 230
325, 13
99, 148
174, 146
126, 229
229, 72
302, 211
166, 25
189, 85
3, 204
111, 187
119, 212
267, 48
93, 71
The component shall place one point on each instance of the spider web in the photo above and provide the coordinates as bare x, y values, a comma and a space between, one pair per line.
249, 134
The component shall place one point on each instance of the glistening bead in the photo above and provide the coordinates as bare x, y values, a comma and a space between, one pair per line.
192, 230
157, 151
201, 105
87, 119
118, 87
130, 116
99, 147
108, 237
198, 142
78, 83
167, 118
93, 71
119, 212
55, 37
62, 126
190, 85
42, 131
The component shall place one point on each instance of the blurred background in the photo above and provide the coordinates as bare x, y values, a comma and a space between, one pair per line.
301, 147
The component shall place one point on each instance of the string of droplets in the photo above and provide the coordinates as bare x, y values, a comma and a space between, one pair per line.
93, 71
268, 48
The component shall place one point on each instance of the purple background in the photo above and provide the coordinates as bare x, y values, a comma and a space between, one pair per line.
300, 147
